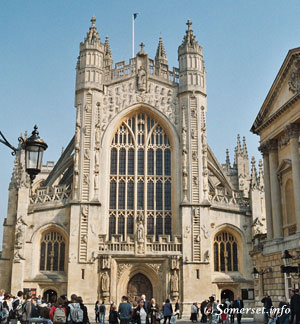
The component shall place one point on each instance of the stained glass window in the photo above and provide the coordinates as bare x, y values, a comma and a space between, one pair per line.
140, 177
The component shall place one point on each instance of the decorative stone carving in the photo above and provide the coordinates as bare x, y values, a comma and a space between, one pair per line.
174, 263
140, 232
18, 257
19, 233
106, 262
205, 231
174, 282
122, 267
294, 82
293, 130
105, 282
206, 256
155, 266
142, 79
184, 156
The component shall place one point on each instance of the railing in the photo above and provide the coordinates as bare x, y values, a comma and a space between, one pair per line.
236, 200
123, 70
49, 194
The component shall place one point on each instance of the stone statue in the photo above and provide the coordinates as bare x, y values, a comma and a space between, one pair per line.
174, 282
140, 232
105, 282
142, 79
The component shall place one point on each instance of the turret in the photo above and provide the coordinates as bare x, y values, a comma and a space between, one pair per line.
89, 68
191, 64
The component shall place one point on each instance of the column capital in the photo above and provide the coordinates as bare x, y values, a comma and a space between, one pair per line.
270, 145
293, 130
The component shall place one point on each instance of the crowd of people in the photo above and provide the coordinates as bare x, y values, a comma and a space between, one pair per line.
141, 311
32, 309
213, 312
29, 308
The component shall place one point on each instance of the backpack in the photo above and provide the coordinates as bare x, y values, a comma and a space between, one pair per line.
59, 315
17, 309
102, 309
3, 313
76, 313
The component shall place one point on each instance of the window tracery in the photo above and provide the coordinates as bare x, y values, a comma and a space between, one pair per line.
52, 257
140, 177
225, 252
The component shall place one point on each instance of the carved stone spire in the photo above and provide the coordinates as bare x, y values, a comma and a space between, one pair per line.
227, 165
253, 179
238, 146
245, 151
108, 59
92, 35
161, 56
261, 175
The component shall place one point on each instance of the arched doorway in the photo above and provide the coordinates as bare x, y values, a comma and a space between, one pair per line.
50, 296
137, 286
227, 294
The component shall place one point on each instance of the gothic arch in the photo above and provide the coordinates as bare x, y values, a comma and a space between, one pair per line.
173, 136
147, 271
36, 238
240, 240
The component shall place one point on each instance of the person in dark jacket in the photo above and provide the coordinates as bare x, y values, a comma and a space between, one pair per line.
295, 305
140, 314
35, 308
154, 312
283, 316
125, 310
239, 304
267, 301
167, 311
113, 315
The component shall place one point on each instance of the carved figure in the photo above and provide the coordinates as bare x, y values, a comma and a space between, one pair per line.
105, 282
142, 79
140, 232
174, 282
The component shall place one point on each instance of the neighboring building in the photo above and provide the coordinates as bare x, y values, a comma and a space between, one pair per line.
278, 125
137, 202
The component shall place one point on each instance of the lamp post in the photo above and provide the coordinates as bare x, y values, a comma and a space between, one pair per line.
34, 148
286, 267
261, 273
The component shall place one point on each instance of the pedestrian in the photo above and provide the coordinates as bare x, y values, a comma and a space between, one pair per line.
84, 309
177, 309
202, 311
2, 293
194, 311
146, 303
17, 306
97, 312
231, 312
283, 316
4, 311
58, 312
211, 310
26, 309
167, 310
155, 315
35, 308
267, 301
295, 305
124, 310
113, 315
140, 315
102, 310
223, 307
239, 304
75, 312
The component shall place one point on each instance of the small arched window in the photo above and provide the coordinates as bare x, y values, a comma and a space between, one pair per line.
53, 248
225, 252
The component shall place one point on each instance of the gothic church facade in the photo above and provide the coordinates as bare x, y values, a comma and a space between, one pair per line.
137, 202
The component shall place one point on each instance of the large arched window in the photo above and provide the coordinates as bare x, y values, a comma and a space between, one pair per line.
225, 252
140, 177
53, 248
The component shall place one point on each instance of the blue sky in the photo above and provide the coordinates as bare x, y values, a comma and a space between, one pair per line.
244, 44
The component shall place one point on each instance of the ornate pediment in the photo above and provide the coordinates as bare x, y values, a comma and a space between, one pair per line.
285, 91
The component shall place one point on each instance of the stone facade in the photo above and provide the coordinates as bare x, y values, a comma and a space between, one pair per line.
277, 124
137, 200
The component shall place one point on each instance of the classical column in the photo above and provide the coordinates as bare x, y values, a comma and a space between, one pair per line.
275, 188
268, 203
293, 131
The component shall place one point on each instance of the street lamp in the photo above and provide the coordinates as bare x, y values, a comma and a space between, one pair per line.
34, 148
261, 273
288, 269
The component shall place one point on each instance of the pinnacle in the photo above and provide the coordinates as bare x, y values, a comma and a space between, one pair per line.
238, 147
161, 52
189, 38
107, 47
227, 160
92, 35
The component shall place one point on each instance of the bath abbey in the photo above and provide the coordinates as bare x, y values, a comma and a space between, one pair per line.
137, 202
